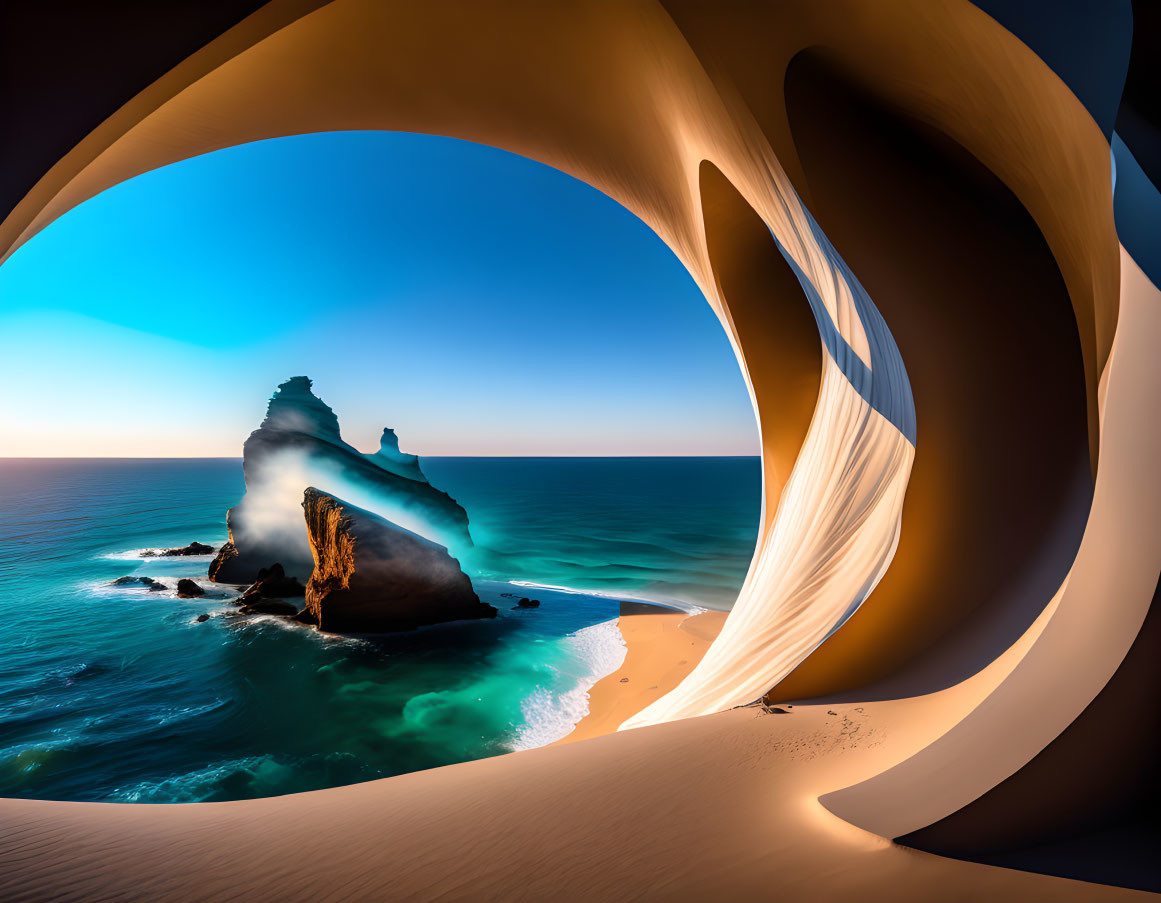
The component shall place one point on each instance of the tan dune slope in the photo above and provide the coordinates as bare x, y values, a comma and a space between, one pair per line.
716, 808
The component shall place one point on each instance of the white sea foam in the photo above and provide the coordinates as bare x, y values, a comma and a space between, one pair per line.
126, 555
191, 787
597, 651
153, 554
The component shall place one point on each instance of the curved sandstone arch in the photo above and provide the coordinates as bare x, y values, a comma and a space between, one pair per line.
678, 110
1000, 494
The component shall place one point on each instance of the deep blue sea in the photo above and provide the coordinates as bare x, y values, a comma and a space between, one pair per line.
121, 694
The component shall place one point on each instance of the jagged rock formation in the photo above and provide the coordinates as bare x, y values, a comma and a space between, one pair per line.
373, 576
389, 457
299, 445
268, 594
272, 583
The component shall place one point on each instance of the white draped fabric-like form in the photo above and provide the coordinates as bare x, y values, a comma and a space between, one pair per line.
833, 537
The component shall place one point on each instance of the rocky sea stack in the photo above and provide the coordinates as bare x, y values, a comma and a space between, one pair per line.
299, 445
373, 576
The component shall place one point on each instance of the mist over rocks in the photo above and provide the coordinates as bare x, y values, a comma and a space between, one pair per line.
298, 445
373, 576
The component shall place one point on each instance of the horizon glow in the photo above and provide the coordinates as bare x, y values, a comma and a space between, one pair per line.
477, 302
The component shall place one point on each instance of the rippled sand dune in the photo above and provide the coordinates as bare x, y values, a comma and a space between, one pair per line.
903, 215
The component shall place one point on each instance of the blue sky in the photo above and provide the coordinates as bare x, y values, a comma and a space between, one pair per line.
478, 302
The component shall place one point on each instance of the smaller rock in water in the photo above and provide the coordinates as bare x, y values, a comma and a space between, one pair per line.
202, 618
272, 583
187, 589
194, 548
149, 582
528, 603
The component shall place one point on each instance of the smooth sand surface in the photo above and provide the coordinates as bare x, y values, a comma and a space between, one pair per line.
716, 808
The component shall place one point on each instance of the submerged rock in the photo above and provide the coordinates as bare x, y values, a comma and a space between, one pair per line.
187, 589
528, 603
373, 576
298, 445
194, 548
270, 607
148, 582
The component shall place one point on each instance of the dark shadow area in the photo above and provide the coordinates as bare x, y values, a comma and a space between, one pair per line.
1139, 116
1001, 486
765, 301
1086, 807
1085, 42
67, 65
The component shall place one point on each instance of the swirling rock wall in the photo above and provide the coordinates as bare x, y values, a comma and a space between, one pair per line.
1000, 494
1009, 606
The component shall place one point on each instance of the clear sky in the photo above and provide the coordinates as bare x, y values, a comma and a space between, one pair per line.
478, 302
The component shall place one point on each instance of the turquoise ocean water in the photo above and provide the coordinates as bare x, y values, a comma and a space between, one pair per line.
120, 694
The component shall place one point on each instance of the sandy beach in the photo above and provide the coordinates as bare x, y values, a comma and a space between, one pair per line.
663, 646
